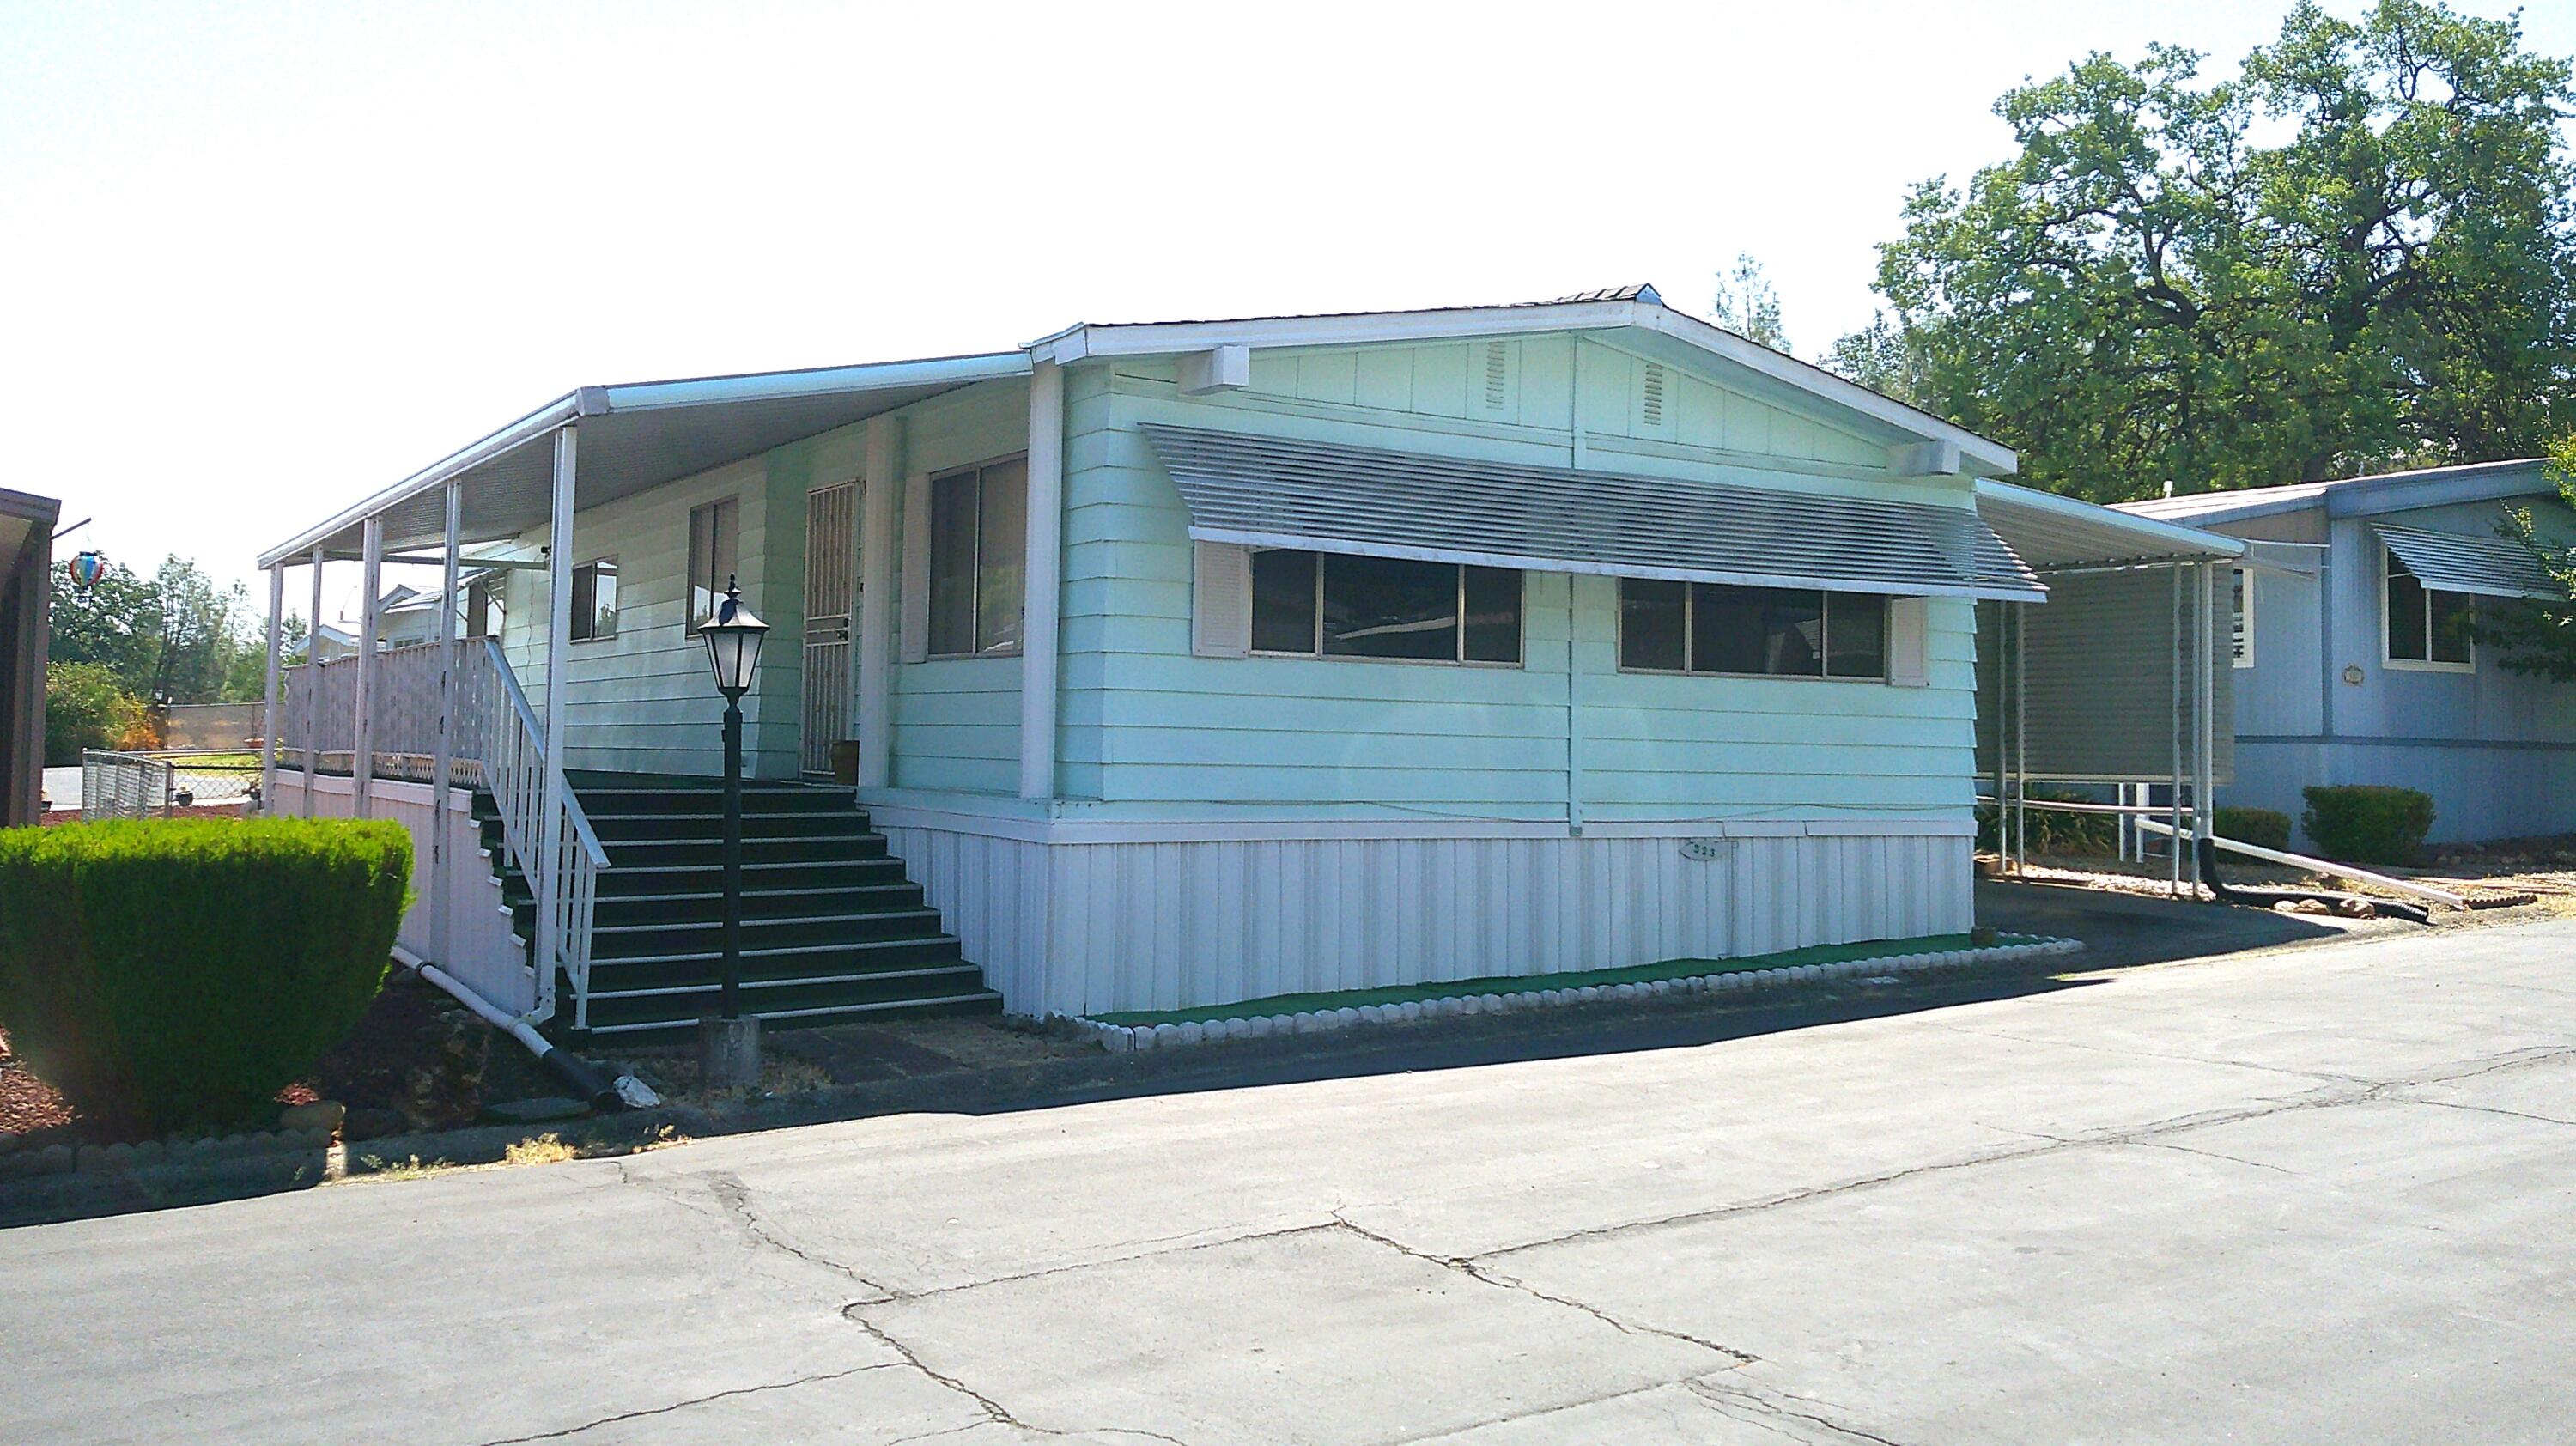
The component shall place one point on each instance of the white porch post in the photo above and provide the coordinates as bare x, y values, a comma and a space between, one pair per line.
1045, 592
313, 688
362, 746
879, 490
2204, 646
442, 762
548, 885
268, 705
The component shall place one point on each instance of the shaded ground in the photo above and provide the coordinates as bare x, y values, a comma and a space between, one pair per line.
2296, 1194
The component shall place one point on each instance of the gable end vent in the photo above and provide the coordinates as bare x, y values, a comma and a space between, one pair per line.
1498, 374
1650, 397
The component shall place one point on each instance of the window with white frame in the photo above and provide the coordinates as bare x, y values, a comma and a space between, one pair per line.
487, 605
714, 531
2240, 642
594, 600
978, 559
1335, 605
2425, 627
1776, 632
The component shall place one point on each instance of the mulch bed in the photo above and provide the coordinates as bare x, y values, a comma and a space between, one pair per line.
417, 1061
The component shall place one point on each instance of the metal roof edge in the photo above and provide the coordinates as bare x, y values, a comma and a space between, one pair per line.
2075, 508
34, 508
808, 382
528, 428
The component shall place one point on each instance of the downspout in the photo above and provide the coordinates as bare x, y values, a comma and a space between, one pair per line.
576, 1073
1573, 625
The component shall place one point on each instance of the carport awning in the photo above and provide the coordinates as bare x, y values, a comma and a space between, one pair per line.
2485, 566
1275, 492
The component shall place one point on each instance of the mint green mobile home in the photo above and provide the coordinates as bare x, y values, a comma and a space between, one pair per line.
1173, 664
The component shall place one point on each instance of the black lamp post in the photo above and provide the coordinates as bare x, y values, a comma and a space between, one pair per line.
729, 1045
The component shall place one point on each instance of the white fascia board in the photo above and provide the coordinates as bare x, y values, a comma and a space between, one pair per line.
2492, 482
814, 382
1158, 338
1982, 456
2173, 536
527, 429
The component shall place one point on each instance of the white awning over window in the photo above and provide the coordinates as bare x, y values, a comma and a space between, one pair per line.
1270, 492
2485, 566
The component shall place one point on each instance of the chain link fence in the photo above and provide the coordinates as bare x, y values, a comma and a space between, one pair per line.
167, 785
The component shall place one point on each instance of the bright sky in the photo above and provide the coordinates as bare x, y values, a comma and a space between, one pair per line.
264, 259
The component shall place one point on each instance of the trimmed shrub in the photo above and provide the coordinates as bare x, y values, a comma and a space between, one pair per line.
2263, 827
180, 972
2368, 823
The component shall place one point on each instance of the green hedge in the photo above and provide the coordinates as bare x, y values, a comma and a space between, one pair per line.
180, 972
2368, 823
2263, 827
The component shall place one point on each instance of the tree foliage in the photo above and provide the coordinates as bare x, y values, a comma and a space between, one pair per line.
2356, 254
177, 636
87, 706
1747, 305
2539, 638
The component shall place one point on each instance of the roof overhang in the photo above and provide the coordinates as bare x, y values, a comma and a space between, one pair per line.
2054, 533
637, 436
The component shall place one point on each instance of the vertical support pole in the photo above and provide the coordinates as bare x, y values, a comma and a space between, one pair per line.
2021, 737
879, 492
313, 688
362, 746
268, 706
1044, 572
2173, 661
442, 767
1573, 704
2204, 688
548, 885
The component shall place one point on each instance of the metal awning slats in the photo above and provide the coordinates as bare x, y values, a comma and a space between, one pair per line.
1330, 497
2484, 566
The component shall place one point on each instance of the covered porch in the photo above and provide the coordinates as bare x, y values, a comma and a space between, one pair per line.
548, 744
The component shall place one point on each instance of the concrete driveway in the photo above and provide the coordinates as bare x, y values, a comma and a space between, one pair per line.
2321, 1194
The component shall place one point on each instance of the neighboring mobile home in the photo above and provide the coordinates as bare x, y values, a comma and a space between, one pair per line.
26, 603
1186, 663
2354, 657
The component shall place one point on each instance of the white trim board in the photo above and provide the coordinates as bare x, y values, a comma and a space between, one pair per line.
1076, 832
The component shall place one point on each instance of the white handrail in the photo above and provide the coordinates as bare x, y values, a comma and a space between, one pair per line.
511, 762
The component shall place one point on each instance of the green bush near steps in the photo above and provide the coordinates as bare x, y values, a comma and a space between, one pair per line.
2368, 823
2262, 827
178, 973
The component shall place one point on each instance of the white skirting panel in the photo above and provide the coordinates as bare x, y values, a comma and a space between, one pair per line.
1094, 927
482, 953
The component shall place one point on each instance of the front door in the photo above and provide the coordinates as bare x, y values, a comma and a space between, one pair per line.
831, 593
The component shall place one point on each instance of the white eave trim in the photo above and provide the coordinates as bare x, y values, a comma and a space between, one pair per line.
817, 382
534, 425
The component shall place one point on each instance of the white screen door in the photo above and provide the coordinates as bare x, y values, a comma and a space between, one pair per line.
831, 591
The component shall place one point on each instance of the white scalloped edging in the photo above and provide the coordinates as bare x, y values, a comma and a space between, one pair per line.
1129, 1038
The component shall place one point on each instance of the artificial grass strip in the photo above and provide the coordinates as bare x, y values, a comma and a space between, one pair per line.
1579, 979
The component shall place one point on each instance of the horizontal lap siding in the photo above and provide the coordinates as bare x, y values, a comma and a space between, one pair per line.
1086, 928
643, 700
956, 721
1152, 729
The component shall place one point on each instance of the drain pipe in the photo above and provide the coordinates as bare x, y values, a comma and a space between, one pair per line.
2260, 898
577, 1073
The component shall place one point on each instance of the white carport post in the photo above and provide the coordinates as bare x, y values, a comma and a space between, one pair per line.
2174, 725
313, 688
1043, 597
879, 536
547, 883
2204, 686
362, 746
442, 763
268, 698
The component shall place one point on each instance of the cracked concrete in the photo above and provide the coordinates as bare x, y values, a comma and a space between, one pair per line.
2312, 1194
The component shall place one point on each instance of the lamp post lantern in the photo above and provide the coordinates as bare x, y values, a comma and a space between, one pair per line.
728, 1044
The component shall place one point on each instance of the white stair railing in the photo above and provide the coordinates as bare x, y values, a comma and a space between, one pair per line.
499, 746
513, 764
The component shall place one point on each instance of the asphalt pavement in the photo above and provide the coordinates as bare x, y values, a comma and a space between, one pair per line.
2313, 1193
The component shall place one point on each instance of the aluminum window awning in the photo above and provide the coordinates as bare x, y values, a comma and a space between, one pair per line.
1276, 492
2484, 566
